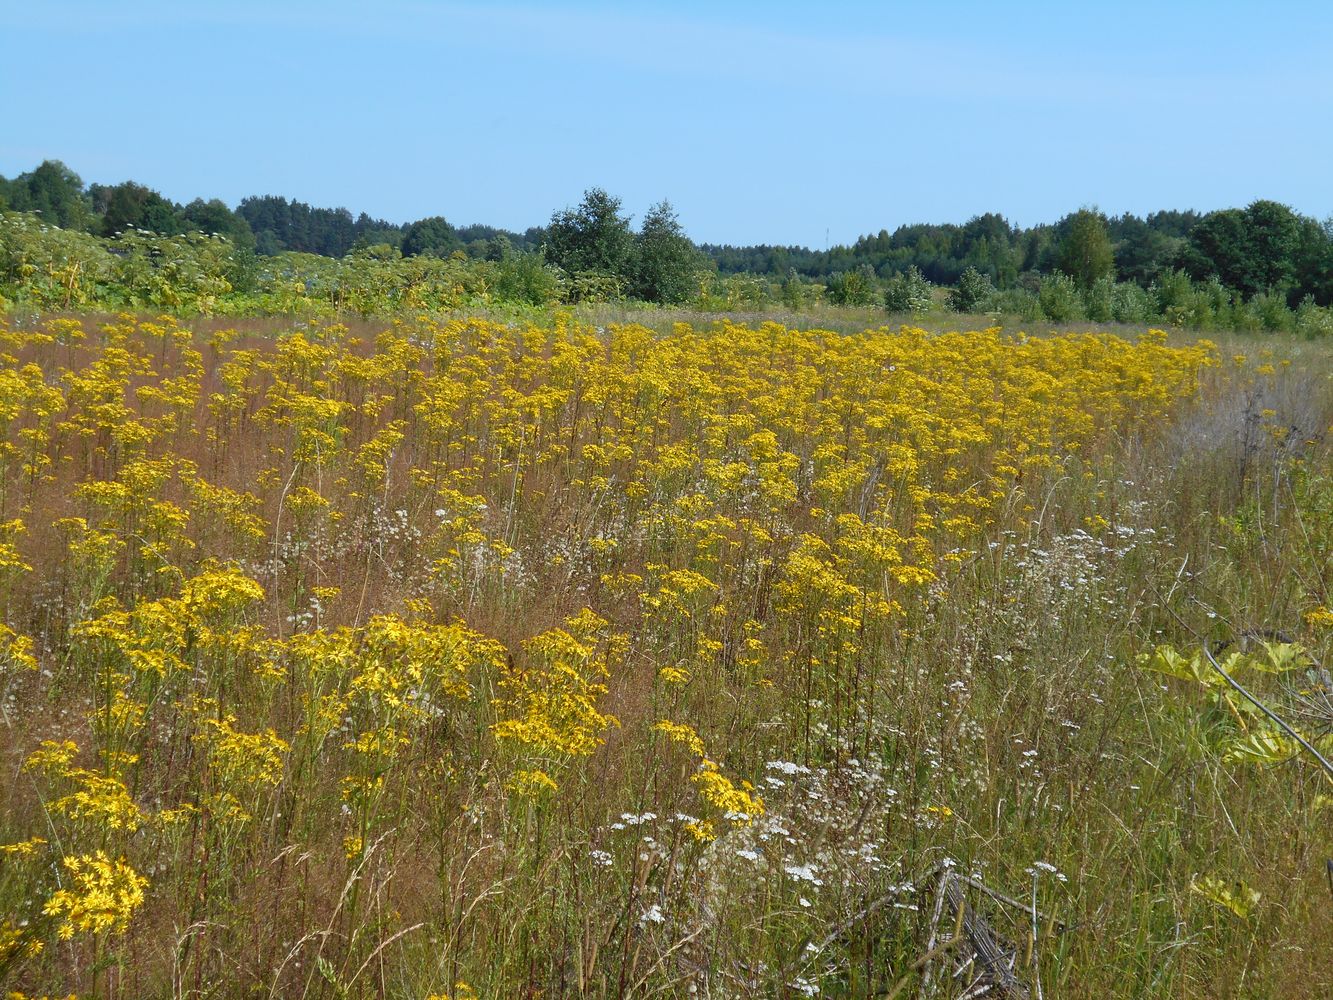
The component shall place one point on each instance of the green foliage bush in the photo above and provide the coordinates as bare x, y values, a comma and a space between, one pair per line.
1171, 288
1312, 321
795, 292
1019, 302
1271, 312
527, 278
853, 288
1098, 300
594, 286
908, 293
974, 292
1130, 303
1059, 298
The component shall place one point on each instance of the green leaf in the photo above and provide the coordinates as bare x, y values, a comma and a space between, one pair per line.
1237, 897
1262, 746
1281, 657
1168, 660
330, 976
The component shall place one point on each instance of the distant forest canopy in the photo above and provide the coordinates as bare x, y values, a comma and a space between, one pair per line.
1265, 249
267, 224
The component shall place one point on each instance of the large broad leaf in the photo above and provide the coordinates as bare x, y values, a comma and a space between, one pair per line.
1168, 660
1261, 746
1279, 657
1235, 896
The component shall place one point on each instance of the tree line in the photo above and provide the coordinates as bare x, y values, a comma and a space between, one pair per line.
593, 247
1265, 247
1086, 265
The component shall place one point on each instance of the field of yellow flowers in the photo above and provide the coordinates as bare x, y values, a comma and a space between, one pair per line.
472, 659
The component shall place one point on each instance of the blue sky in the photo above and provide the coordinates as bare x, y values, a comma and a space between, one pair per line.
773, 122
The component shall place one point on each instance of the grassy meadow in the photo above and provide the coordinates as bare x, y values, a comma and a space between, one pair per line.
616, 654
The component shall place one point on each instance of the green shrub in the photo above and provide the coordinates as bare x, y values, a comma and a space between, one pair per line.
527, 278
853, 288
1017, 302
908, 293
1059, 298
1172, 291
1097, 300
1271, 310
973, 294
1313, 321
1131, 304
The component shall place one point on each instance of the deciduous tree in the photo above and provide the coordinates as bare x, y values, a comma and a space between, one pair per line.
593, 237
1085, 252
667, 264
